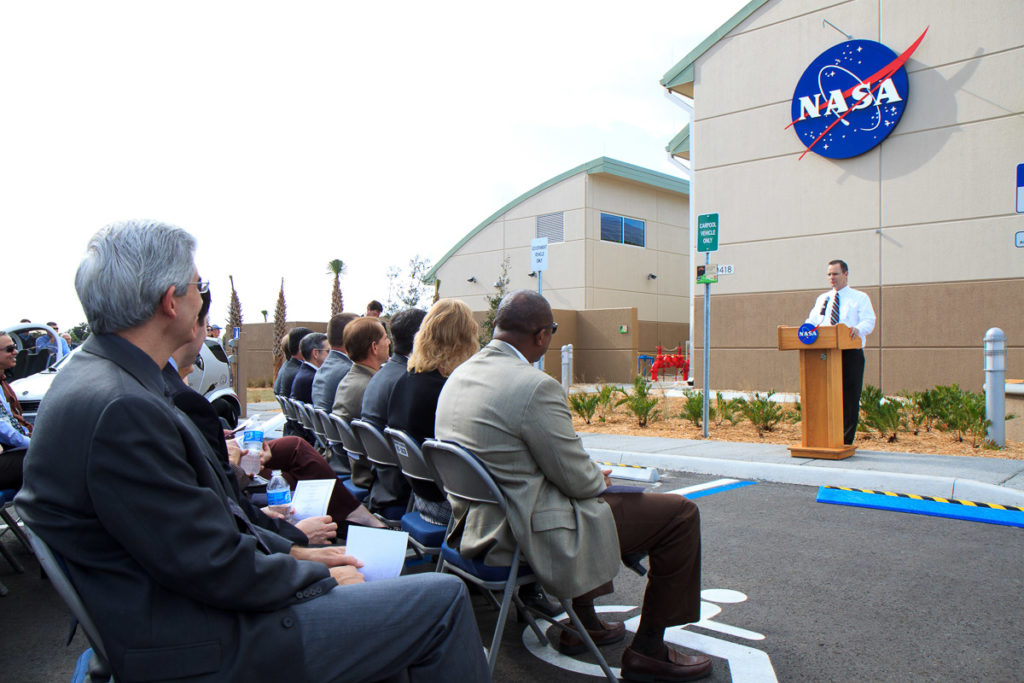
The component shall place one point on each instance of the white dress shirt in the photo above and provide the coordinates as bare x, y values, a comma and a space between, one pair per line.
855, 311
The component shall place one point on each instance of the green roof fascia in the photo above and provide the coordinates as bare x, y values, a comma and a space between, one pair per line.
614, 167
682, 72
679, 146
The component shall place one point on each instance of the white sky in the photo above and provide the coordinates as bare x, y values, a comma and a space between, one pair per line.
283, 135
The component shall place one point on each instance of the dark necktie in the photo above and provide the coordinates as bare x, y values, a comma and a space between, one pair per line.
835, 309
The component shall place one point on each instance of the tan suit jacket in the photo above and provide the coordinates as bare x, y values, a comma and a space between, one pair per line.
516, 420
348, 403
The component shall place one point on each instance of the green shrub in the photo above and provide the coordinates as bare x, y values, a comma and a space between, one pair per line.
731, 410
763, 412
886, 416
605, 394
583, 405
640, 402
693, 407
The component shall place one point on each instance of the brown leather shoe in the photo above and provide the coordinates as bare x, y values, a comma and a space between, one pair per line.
610, 632
680, 667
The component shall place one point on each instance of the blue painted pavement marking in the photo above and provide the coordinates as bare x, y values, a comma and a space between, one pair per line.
711, 487
880, 501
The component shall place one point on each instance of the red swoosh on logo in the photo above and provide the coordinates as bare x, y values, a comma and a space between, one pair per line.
877, 78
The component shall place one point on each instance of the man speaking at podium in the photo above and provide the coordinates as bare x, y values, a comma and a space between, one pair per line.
851, 307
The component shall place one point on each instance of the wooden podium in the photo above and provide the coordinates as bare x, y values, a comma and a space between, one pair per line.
821, 390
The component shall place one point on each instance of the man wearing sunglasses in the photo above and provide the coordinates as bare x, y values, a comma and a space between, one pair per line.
572, 528
15, 431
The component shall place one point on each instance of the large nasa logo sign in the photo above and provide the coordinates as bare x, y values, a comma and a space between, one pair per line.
850, 98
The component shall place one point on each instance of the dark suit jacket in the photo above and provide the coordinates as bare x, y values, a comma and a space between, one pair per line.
199, 410
302, 385
126, 489
379, 388
328, 375
283, 381
390, 487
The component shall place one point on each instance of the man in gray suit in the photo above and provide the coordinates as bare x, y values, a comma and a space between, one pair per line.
337, 364
571, 530
180, 585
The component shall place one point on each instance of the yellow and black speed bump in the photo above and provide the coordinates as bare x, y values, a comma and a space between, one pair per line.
991, 513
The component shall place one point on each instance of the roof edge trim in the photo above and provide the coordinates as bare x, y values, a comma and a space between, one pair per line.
682, 72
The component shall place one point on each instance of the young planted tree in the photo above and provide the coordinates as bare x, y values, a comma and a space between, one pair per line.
493, 301
336, 267
583, 405
280, 328
640, 402
234, 312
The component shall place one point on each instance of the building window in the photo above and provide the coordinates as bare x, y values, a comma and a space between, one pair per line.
551, 226
622, 230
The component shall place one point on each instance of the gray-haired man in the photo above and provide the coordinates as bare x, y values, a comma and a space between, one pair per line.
125, 488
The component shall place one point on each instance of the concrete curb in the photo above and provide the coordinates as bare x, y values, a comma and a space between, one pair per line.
924, 485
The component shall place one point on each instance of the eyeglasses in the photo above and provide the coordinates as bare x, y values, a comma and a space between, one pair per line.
553, 326
9, 349
202, 285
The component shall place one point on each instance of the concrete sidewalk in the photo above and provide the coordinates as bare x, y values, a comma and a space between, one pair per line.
985, 480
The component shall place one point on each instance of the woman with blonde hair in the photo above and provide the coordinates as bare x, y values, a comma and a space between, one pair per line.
446, 338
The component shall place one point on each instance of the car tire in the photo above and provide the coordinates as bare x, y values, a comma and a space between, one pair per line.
227, 412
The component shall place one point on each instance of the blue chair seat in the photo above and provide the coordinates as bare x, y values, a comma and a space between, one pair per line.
357, 491
392, 512
431, 535
477, 568
7, 495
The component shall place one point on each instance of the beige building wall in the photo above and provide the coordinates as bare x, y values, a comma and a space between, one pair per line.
585, 273
926, 220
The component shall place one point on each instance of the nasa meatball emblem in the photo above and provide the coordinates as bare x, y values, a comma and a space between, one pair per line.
850, 98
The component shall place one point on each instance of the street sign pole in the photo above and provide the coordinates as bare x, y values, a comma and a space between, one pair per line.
707, 241
539, 261
707, 344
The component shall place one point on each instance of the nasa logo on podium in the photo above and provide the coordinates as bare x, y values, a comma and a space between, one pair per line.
807, 333
850, 98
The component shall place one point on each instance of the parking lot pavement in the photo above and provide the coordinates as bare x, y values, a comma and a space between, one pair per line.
794, 590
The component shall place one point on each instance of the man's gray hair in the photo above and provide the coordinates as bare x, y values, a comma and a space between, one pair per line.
127, 267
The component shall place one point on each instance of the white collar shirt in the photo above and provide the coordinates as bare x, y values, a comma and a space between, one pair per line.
514, 350
855, 311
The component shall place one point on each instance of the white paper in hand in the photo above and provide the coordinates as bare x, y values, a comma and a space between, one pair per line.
311, 497
382, 551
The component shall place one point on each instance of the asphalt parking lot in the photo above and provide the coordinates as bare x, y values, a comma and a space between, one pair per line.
794, 590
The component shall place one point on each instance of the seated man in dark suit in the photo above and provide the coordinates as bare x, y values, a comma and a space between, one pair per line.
390, 487
178, 582
286, 375
314, 349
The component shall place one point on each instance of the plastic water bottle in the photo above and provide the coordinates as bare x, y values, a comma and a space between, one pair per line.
252, 440
279, 496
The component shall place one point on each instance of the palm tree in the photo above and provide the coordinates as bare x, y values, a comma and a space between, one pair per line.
336, 267
280, 328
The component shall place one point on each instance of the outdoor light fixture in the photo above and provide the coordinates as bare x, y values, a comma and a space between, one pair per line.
471, 278
532, 273
652, 276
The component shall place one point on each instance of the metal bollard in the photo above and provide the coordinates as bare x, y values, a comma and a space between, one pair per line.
995, 385
566, 367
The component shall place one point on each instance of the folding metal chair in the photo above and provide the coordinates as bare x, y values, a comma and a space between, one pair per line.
378, 451
6, 496
55, 568
353, 449
338, 459
425, 537
465, 477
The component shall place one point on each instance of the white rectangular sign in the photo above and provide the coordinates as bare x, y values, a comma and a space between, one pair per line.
725, 269
539, 254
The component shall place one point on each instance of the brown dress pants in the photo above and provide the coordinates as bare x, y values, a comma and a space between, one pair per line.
298, 460
667, 527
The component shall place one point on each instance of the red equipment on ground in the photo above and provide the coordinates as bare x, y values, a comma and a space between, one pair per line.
676, 360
